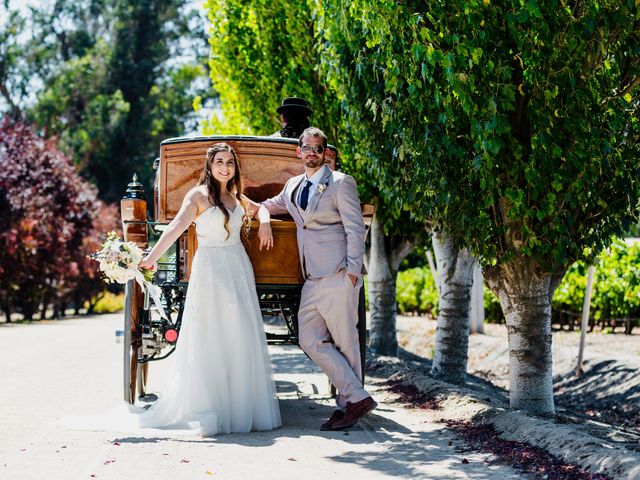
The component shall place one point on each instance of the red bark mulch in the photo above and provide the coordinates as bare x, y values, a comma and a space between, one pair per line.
522, 456
484, 438
410, 395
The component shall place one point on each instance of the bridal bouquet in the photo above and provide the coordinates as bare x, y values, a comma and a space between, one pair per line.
120, 260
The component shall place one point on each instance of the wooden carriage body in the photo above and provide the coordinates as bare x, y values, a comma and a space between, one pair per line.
266, 163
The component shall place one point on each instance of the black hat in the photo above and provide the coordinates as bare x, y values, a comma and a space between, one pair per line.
294, 103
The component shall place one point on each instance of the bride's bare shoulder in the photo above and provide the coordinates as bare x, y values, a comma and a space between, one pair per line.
198, 195
198, 192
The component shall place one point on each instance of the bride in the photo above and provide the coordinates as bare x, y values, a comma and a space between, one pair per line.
221, 380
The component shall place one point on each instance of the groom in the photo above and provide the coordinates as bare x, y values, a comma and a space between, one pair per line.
330, 232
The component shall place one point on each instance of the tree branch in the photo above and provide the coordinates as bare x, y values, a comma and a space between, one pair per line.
632, 84
621, 93
401, 249
15, 110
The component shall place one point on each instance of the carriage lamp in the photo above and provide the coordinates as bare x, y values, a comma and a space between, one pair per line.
135, 189
133, 209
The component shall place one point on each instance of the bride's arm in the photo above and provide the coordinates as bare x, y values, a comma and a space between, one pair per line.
264, 217
185, 217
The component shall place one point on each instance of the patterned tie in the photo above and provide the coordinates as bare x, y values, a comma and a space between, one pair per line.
304, 196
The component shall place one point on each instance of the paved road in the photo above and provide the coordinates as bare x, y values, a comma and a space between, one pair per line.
53, 370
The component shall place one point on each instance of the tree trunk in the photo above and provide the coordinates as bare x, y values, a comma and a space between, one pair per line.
477, 301
455, 271
43, 306
385, 255
14, 111
525, 296
27, 310
91, 308
77, 302
59, 309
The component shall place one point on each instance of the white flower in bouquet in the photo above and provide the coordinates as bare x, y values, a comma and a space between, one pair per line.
119, 261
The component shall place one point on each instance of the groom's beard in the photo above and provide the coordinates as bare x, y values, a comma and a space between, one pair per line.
314, 162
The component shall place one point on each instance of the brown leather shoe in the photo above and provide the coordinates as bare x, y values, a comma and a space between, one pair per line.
354, 412
337, 415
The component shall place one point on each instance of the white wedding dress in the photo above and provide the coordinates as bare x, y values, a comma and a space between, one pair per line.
221, 379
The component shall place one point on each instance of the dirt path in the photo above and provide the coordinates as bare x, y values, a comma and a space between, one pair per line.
52, 370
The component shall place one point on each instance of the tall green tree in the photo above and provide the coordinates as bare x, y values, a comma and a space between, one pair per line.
146, 35
262, 52
357, 65
373, 156
111, 79
518, 127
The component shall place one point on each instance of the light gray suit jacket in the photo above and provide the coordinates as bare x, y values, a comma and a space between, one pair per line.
331, 231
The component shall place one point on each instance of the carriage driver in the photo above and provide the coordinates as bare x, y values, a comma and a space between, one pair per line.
294, 113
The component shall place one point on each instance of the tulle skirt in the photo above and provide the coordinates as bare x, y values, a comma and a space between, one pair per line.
221, 380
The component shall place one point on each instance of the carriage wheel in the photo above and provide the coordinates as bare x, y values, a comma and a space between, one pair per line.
362, 338
141, 375
134, 375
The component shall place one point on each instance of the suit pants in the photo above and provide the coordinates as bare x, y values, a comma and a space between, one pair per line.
327, 331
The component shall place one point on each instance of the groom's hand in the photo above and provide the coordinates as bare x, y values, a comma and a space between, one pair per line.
353, 279
265, 235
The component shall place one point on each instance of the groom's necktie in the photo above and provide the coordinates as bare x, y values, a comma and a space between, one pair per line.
304, 196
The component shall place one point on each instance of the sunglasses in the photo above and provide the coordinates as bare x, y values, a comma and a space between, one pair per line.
308, 148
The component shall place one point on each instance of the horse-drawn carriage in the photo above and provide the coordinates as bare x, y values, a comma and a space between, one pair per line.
266, 164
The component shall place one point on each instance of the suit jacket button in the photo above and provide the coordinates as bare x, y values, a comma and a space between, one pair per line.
304, 227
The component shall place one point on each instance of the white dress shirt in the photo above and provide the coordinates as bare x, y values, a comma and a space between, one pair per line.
315, 180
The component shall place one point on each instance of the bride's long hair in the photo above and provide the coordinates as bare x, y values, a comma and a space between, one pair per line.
234, 185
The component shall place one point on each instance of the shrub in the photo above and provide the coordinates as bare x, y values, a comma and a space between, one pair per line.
416, 292
616, 292
429, 295
108, 303
492, 309
47, 211
409, 285
615, 299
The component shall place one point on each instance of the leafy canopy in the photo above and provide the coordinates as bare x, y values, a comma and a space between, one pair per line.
515, 124
262, 52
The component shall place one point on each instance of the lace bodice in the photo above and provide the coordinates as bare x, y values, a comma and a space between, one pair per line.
210, 227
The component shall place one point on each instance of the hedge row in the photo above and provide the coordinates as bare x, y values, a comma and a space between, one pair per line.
616, 293
416, 294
